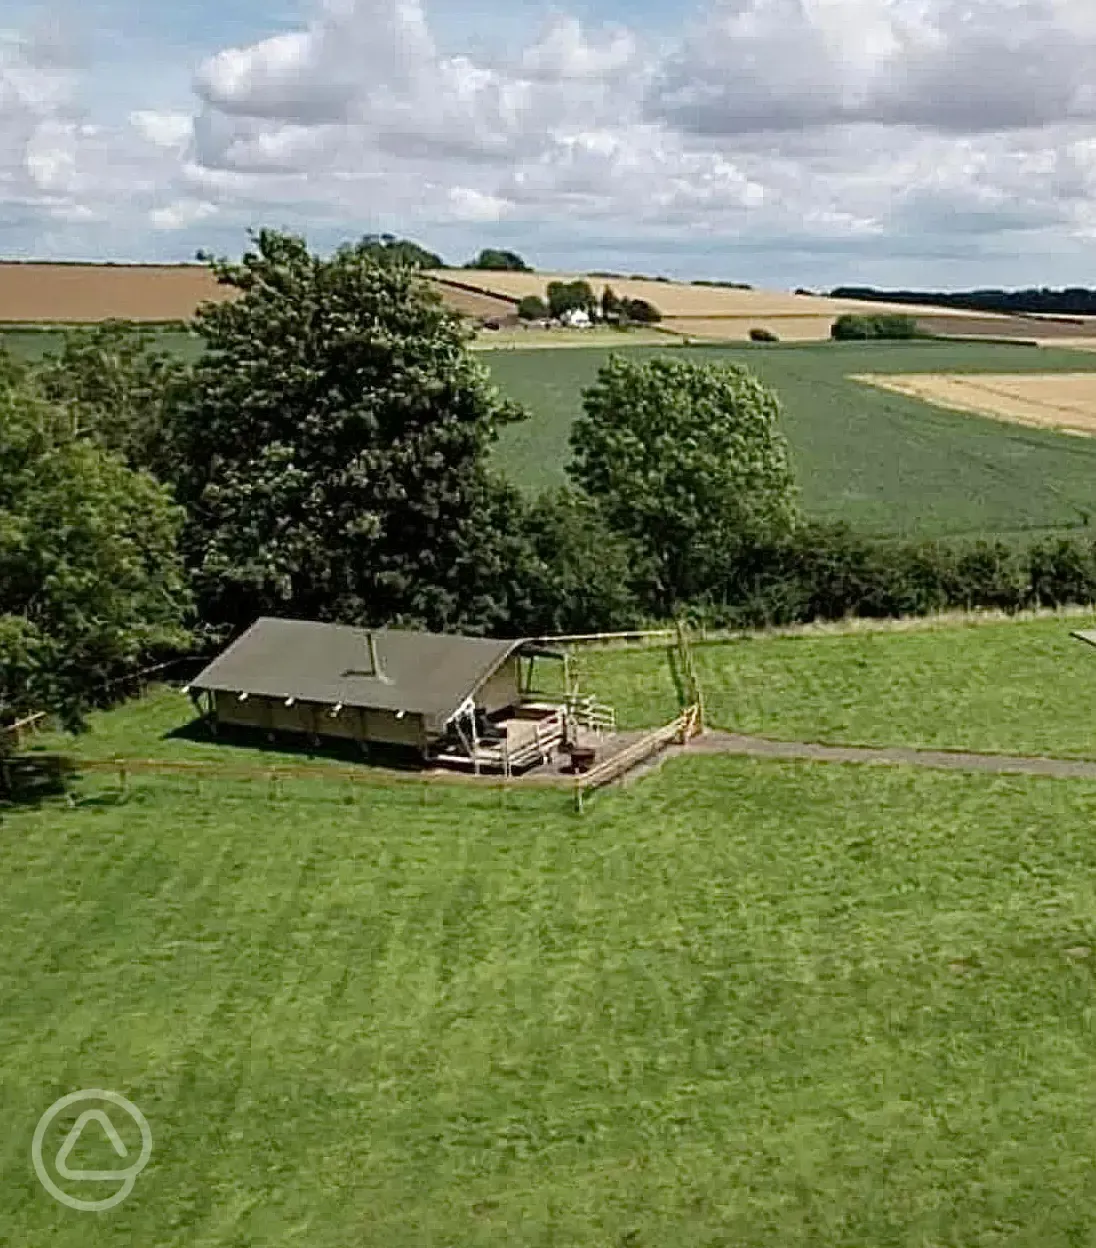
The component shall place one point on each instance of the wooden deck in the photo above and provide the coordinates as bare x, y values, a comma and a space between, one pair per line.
534, 736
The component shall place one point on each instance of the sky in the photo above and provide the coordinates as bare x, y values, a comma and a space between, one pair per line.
940, 144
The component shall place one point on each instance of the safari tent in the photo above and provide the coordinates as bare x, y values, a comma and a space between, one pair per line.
452, 698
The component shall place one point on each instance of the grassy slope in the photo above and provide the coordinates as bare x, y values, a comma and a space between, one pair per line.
1024, 688
738, 1004
881, 461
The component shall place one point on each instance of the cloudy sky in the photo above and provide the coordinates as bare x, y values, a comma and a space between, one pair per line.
943, 143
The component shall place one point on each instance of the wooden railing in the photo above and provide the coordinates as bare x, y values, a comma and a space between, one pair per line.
680, 730
587, 712
30, 723
694, 697
547, 735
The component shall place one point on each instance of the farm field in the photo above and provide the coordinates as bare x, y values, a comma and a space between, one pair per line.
681, 299
1064, 401
31, 343
55, 293
884, 462
1015, 687
521, 338
739, 1002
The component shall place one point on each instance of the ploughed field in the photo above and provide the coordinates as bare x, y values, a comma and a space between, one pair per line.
738, 1002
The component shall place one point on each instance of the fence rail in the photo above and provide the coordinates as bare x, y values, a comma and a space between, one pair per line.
29, 723
682, 730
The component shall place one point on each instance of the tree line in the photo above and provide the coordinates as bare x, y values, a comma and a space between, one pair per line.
1073, 301
392, 249
328, 455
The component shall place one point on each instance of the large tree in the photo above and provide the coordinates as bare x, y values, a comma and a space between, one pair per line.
90, 578
334, 447
688, 461
566, 297
493, 258
116, 386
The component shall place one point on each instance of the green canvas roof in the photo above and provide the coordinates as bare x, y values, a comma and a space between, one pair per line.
431, 674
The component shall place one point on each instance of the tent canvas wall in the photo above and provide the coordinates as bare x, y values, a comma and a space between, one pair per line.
386, 685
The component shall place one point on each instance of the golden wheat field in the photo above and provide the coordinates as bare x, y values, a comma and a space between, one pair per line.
679, 299
1062, 401
44, 293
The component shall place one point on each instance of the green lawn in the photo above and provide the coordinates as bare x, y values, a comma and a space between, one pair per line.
885, 463
1018, 687
737, 1004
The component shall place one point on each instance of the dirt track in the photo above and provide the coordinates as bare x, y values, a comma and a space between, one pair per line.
736, 744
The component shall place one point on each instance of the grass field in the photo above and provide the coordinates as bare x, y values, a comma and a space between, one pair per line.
884, 462
738, 1004
1015, 687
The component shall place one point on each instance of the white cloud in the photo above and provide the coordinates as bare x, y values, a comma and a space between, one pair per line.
180, 214
472, 205
169, 130
953, 65
885, 124
564, 53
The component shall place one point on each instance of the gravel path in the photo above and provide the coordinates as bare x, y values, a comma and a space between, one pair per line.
948, 760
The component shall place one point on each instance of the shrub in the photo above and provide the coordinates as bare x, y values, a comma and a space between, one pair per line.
641, 312
852, 327
532, 308
763, 335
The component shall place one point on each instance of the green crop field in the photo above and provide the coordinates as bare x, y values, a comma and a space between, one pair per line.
885, 463
738, 1003
31, 342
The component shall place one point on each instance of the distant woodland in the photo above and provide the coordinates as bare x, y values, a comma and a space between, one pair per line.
1075, 301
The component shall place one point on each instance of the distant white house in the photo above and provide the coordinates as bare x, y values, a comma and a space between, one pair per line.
576, 318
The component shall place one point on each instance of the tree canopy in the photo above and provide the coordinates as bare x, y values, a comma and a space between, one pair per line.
116, 388
685, 459
392, 250
90, 577
532, 308
569, 296
500, 261
333, 447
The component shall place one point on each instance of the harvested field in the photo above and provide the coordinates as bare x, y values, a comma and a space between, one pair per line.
794, 328
473, 303
678, 299
59, 293
1006, 327
1062, 401
50, 293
